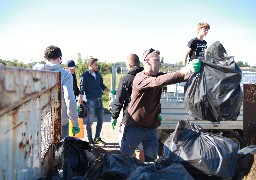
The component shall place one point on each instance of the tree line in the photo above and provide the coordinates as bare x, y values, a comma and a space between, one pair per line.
104, 68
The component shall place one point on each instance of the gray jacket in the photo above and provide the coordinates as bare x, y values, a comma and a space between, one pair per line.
68, 102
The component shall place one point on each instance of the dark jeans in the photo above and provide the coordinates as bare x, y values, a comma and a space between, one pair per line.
133, 136
65, 131
94, 107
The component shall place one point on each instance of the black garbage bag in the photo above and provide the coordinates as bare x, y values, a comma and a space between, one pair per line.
159, 170
200, 152
214, 93
113, 166
83, 110
245, 160
73, 156
217, 54
246, 150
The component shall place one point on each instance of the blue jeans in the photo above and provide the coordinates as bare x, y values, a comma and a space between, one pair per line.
133, 136
65, 131
121, 132
94, 107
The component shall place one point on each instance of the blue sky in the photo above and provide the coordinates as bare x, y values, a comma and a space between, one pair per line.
112, 29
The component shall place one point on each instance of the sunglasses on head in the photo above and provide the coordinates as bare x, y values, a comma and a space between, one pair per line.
151, 50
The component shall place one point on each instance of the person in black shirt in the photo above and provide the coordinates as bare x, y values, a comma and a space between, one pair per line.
123, 97
197, 46
91, 83
71, 67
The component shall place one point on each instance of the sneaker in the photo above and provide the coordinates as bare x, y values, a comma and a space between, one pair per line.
99, 141
91, 142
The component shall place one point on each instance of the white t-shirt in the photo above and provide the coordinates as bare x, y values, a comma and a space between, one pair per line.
94, 74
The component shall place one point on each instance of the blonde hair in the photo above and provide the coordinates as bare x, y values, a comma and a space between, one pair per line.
203, 25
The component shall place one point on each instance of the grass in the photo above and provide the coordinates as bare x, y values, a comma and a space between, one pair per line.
107, 81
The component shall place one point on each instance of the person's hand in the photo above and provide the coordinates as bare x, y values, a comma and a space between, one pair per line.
160, 118
113, 92
186, 70
113, 122
80, 99
78, 108
75, 130
192, 67
196, 65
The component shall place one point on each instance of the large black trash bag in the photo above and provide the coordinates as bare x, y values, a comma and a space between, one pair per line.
200, 152
83, 110
217, 54
161, 169
214, 93
113, 166
73, 156
245, 159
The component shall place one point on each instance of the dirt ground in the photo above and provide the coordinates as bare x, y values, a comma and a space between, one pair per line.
108, 135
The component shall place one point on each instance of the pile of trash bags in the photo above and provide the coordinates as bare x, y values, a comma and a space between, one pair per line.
214, 93
200, 152
189, 153
75, 159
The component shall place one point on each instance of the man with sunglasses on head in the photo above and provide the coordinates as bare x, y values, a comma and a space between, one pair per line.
142, 118
53, 57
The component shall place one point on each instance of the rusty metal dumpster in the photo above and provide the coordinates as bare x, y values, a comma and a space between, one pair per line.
29, 122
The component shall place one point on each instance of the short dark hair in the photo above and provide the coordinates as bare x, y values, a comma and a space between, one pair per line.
91, 61
133, 59
52, 52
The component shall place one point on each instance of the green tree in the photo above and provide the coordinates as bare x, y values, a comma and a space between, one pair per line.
10, 63
246, 64
16, 63
20, 64
42, 62
29, 65
2, 62
162, 59
240, 63
81, 65
180, 63
118, 70
105, 68
13, 62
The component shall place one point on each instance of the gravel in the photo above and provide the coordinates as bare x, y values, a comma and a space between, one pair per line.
108, 135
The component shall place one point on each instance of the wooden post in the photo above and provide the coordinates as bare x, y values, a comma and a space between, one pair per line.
249, 118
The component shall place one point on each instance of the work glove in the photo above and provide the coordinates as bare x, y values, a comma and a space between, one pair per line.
75, 130
113, 121
78, 108
196, 64
113, 92
192, 67
160, 118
